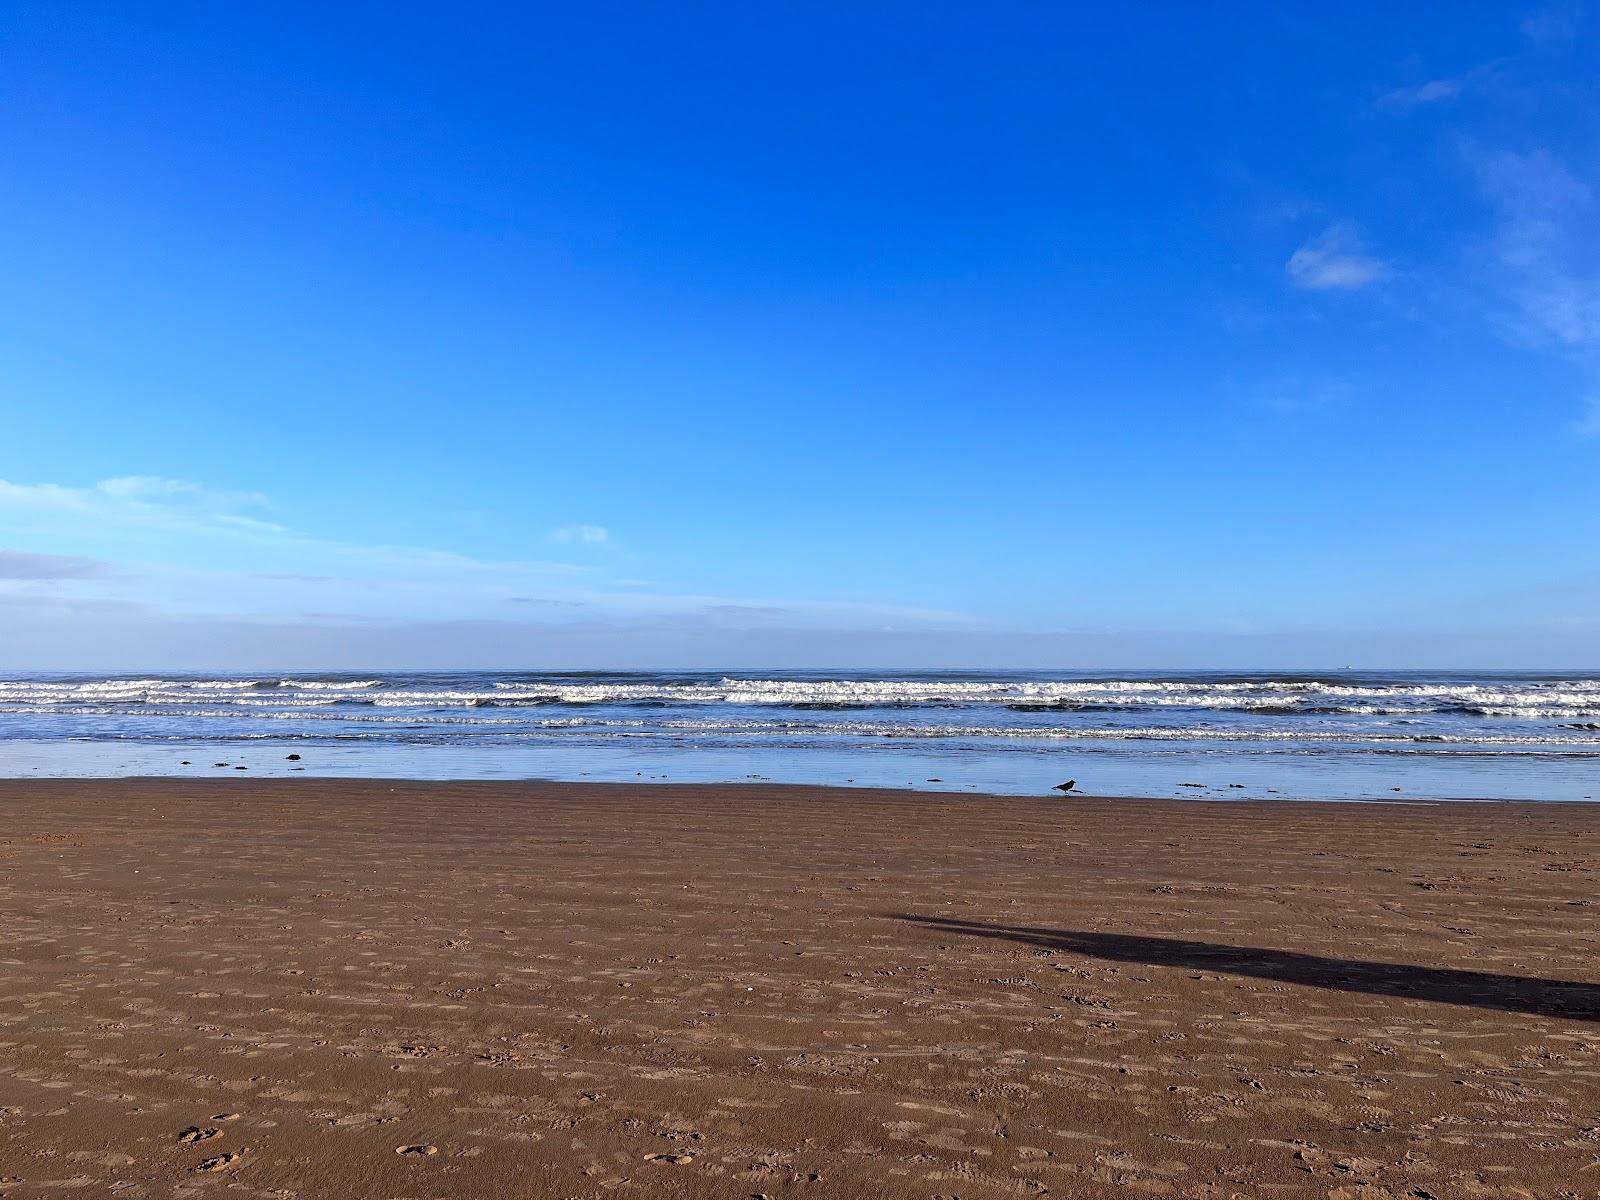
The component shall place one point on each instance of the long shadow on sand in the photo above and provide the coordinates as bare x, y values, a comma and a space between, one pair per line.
1508, 993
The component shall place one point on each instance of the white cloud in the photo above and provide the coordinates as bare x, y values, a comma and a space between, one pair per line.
1336, 259
1294, 394
1542, 262
177, 520
153, 487
193, 555
1431, 92
1435, 91
143, 500
583, 535
1543, 246
1553, 24
1589, 425
19, 564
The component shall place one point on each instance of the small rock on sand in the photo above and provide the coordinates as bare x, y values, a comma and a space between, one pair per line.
418, 1149
675, 1159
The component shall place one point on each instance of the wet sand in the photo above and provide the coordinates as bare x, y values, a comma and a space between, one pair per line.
315, 989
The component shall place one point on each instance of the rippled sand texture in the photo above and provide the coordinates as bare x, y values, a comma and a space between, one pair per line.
316, 989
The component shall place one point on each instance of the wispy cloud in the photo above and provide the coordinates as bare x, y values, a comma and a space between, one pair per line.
1543, 245
154, 487
1447, 87
172, 509
200, 556
19, 564
1541, 261
1589, 424
582, 535
1554, 24
1431, 92
143, 500
1294, 394
1337, 259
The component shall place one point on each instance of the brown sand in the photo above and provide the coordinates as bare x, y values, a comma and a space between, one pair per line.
268, 988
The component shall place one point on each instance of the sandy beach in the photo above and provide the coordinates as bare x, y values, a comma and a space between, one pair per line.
307, 988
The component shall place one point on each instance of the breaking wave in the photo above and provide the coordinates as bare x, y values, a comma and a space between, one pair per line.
1512, 716
1552, 698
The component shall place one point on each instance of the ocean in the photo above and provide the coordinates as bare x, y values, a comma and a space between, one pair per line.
1354, 735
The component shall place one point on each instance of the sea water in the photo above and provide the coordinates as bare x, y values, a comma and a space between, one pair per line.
1217, 735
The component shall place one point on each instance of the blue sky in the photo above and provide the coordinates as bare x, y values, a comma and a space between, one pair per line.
799, 334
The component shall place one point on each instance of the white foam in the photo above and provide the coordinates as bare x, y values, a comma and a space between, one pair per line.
330, 685
786, 729
1525, 699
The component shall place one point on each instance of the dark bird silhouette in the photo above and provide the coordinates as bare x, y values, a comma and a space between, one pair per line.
1065, 787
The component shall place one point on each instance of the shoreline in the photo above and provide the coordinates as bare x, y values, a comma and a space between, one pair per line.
1366, 735
758, 989
1447, 779
840, 790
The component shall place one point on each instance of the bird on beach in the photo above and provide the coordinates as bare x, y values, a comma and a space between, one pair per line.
1065, 787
